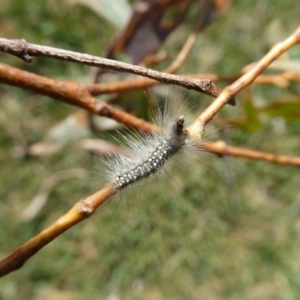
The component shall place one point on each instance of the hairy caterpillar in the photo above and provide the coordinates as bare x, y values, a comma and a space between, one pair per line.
151, 153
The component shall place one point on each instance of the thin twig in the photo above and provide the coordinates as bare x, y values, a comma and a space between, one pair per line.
74, 94
221, 148
79, 212
182, 55
87, 206
140, 83
281, 80
24, 50
207, 115
70, 92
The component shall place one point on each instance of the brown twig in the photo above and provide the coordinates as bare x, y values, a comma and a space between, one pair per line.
87, 206
199, 125
182, 55
24, 50
79, 212
153, 58
120, 86
281, 80
221, 148
180, 58
69, 92
140, 83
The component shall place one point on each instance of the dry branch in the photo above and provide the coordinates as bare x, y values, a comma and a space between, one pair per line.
79, 212
69, 92
24, 50
199, 125
221, 148
280, 80
85, 207
140, 83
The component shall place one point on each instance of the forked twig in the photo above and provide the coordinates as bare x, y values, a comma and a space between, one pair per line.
281, 80
198, 127
85, 207
69, 92
139, 83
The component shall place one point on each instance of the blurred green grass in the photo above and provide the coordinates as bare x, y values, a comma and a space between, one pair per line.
232, 234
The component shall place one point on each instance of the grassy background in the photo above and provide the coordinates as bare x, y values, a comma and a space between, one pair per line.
232, 234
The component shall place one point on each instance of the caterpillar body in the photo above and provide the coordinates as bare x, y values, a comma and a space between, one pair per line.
151, 152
